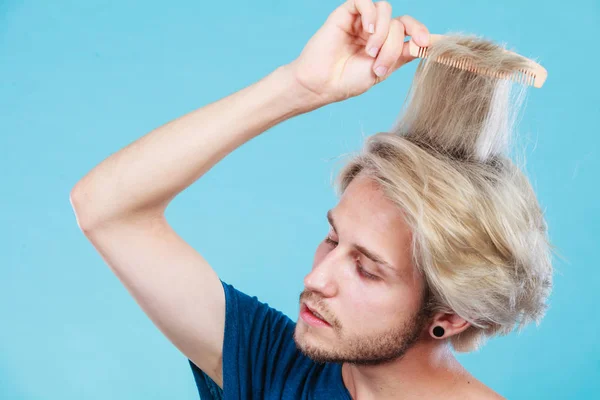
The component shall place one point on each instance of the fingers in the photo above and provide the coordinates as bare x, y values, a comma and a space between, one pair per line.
394, 52
367, 11
382, 27
420, 35
375, 17
415, 29
386, 44
391, 49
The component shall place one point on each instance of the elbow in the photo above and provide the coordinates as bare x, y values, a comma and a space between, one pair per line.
78, 201
91, 213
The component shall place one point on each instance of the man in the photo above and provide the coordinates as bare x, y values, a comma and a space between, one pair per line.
367, 327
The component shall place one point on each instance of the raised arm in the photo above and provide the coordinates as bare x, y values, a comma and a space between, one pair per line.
120, 207
143, 177
120, 204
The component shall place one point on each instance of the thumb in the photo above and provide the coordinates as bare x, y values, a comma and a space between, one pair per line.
405, 56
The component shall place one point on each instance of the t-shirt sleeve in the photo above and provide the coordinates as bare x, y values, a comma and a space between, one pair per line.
258, 349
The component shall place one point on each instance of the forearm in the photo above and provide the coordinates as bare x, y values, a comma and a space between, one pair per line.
147, 174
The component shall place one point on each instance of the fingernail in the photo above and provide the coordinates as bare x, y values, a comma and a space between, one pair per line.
371, 28
380, 71
424, 39
373, 51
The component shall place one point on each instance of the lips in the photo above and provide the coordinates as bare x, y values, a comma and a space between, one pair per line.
315, 313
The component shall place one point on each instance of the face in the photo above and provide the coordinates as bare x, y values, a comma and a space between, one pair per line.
373, 311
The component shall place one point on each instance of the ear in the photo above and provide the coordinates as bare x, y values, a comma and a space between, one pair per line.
444, 325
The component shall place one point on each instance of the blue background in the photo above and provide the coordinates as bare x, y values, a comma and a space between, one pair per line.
80, 80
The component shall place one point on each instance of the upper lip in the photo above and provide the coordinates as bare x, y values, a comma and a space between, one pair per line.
314, 310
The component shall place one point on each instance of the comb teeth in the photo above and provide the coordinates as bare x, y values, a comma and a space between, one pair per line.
522, 76
534, 75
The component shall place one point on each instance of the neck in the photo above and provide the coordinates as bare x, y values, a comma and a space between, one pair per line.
427, 370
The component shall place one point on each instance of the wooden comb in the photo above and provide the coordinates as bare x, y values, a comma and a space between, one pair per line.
535, 75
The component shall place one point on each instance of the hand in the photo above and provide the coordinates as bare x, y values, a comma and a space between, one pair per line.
334, 65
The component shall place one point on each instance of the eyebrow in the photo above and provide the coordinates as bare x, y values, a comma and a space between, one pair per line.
368, 253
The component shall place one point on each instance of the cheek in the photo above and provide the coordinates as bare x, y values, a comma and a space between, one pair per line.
372, 311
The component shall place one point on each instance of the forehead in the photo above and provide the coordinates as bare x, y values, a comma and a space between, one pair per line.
363, 202
365, 216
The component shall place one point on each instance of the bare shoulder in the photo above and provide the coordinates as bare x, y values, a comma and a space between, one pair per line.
487, 394
468, 387
476, 390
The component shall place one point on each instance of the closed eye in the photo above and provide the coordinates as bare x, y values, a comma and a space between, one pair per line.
359, 266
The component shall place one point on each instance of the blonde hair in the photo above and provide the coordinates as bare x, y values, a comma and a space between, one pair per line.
479, 235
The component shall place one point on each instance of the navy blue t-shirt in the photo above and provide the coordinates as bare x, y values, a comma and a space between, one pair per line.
261, 361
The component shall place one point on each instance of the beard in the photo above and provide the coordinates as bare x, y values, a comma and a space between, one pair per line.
373, 349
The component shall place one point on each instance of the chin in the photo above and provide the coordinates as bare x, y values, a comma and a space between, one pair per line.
313, 345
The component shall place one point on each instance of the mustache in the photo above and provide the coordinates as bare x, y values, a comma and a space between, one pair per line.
309, 295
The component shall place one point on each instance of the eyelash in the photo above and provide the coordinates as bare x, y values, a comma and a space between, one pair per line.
358, 265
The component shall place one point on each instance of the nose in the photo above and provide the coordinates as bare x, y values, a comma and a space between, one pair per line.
324, 276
